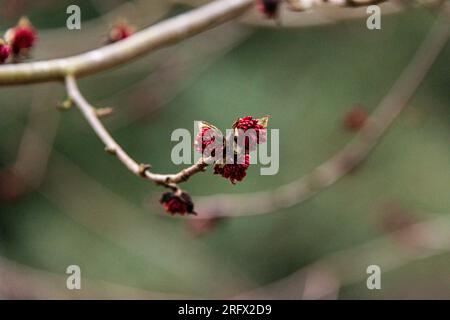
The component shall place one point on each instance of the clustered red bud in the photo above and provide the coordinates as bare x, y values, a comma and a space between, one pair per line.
232, 164
355, 119
5, 51
233, 171
21, 38
207, 137
269, 7
120, 30
204, 139
177, 202
257, 136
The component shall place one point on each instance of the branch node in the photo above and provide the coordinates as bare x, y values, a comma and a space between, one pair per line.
65, 105
143, 168
111, 151
103, 112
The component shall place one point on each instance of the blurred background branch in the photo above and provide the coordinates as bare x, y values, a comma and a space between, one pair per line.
323, 278
22, 282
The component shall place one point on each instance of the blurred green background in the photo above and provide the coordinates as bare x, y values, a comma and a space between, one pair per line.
90, 211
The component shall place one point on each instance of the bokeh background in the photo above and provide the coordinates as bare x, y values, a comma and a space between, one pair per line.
64, 201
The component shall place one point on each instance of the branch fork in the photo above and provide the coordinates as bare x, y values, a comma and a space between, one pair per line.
113, 148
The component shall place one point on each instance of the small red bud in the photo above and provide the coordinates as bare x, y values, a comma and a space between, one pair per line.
203, 139
177, 202
22, 37
258, 125
269, 8
206, 137
5, 51
355, 119
120, 30
233, 171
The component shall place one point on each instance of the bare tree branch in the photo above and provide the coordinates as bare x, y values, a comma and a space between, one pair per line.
112, 147
159, 35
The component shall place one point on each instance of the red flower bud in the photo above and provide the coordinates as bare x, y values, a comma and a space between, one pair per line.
355, 119
204, 139
177, 202
22, 37
233, 171
207, 136
119, 31
235, 162
5, 51
269, 7
259, 133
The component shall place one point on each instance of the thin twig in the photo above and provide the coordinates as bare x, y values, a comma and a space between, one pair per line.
112, 147
352, 154
154, 37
